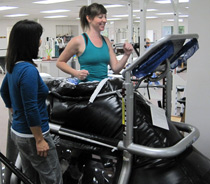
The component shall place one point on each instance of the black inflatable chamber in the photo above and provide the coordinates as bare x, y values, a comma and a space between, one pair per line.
69, 106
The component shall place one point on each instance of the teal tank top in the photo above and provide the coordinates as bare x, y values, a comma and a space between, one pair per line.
95, 60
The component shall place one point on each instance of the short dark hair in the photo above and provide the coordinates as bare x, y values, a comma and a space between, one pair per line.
24, 42
92, 11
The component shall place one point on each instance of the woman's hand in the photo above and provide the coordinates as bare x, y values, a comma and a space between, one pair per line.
42, 148
82, 74
128, 48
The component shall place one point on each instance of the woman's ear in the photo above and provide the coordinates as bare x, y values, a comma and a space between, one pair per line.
88, 18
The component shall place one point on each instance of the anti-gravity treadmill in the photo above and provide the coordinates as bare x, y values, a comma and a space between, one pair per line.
104, 131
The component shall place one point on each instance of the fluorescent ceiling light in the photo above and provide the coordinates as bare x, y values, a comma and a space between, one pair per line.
163, 2
149, 10
151, 17
170, 13
169, 1
126, 15
16, 15
171, 20
51, 1
111, 19
114, 6
55, 16
120, 15
183, 1
54, 11
183, 16
7, 7
148, 17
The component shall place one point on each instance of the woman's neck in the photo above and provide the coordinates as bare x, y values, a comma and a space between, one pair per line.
93, 34
95, 38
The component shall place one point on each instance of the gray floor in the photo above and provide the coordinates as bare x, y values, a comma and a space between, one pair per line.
4, 123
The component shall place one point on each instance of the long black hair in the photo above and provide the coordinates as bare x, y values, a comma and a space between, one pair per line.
92, 11
24, 42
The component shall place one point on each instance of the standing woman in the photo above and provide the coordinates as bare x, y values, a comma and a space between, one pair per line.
94, 51
24, 93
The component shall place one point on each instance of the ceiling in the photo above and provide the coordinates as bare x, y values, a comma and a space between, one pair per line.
33, 10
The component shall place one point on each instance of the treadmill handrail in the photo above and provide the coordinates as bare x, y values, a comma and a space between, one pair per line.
166, 152
141, 150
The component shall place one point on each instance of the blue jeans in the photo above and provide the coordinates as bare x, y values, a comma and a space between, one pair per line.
44, 170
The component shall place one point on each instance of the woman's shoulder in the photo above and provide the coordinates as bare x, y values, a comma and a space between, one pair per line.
77, 39
26, 67
105, 37
107, 40
25, 71
24, 64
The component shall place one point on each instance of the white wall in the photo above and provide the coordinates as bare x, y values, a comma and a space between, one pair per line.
121, 28
48, 26
50, 30
198, 84
3, 32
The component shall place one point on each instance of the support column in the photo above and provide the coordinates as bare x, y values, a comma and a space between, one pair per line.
89, 2
143, 9
175, 4
130, 27
130, 22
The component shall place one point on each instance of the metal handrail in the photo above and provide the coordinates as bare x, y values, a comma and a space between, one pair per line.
166, 152
1, 174
175, 150
14, 169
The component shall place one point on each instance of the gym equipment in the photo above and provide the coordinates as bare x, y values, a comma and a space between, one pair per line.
111, 139
104, 131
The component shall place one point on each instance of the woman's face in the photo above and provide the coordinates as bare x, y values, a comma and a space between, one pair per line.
40, 42
98, 22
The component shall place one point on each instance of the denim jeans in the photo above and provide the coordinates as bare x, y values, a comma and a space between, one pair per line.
44, 170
